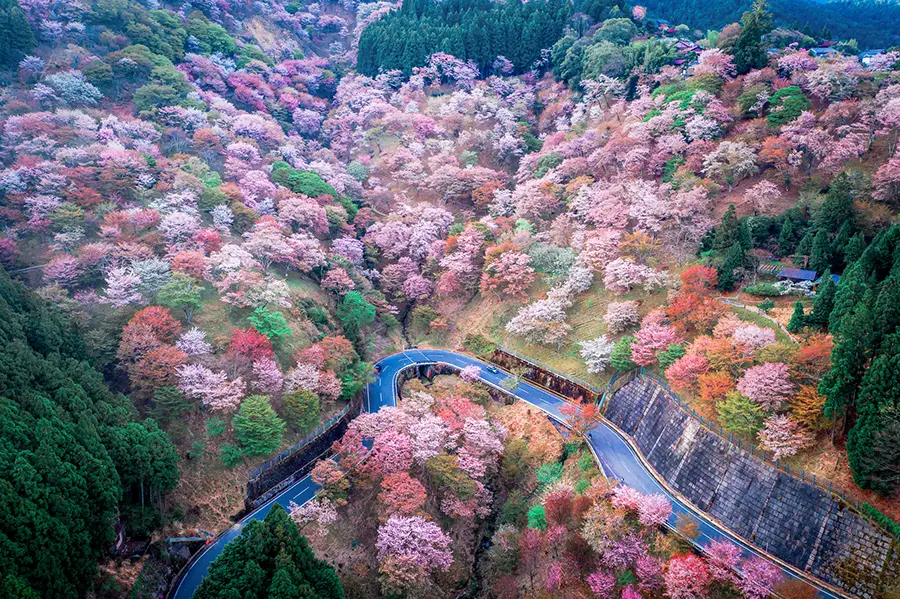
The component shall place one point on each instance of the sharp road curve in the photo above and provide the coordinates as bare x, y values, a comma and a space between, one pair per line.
616, 457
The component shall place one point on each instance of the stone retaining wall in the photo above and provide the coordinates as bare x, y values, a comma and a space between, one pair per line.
797, 522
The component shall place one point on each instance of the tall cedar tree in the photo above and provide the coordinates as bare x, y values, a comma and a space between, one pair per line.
728, 230
872, 443
798, 319
270, 560
16, 36
820, 255
824, 301
749, 52
837, 209
72, 456
734, 259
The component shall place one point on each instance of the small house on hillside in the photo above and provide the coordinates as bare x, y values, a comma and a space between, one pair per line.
685, 46
823, 52
796, 274
866, 57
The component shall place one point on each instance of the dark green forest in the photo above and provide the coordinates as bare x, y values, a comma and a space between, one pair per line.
476, 30
863, 384
270, 560
73, 456
871, 23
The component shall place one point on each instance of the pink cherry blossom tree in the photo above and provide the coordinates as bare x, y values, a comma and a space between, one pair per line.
686, 577
886, 182
212, 388
338, 281
762, 196
509, 274
723, 558
267, 376
123, 288
767, 384
652, 338
683, 373
193, 342
621, 316
392, 452
410, 547
623, 274
784, 436
759, 577
751, 337
543, 321
654, 510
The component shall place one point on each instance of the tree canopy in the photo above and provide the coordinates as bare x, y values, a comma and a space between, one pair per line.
270, 560
72, 454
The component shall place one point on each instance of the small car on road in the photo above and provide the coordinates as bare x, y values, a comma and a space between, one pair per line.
492, 370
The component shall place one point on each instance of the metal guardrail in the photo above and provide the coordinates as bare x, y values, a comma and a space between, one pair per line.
273, 462
543, 366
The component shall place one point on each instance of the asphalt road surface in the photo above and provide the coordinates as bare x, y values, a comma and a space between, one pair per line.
616, 457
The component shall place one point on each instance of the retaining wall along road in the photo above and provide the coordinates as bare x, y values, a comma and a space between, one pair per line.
793, 520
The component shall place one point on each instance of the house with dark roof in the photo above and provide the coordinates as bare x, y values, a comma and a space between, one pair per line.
866, 57
797, 274
823, 52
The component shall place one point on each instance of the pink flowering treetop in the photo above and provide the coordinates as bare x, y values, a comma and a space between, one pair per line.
509, 274
123, 288
338, 281
686, 577
759, 577
410, 547
783, 436
683, 373
212, 388
751, 337
649, 340
267, 377
762, 196
392, 452
723, 558
621, 316
543, 321
767, 384
193, 342
470, 373
654, 510
623, 274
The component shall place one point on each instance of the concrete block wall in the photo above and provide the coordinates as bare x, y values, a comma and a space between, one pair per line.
791, 519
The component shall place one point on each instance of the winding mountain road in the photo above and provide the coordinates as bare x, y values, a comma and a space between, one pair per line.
617, 459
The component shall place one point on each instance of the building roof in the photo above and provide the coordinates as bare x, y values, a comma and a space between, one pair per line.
835, 278
798, 274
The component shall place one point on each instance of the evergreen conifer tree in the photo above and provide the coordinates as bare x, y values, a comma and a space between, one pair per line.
820, 255
798, 319
270, 560
823, 303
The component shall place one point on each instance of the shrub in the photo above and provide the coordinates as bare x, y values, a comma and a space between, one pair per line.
549, 473
537, 517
